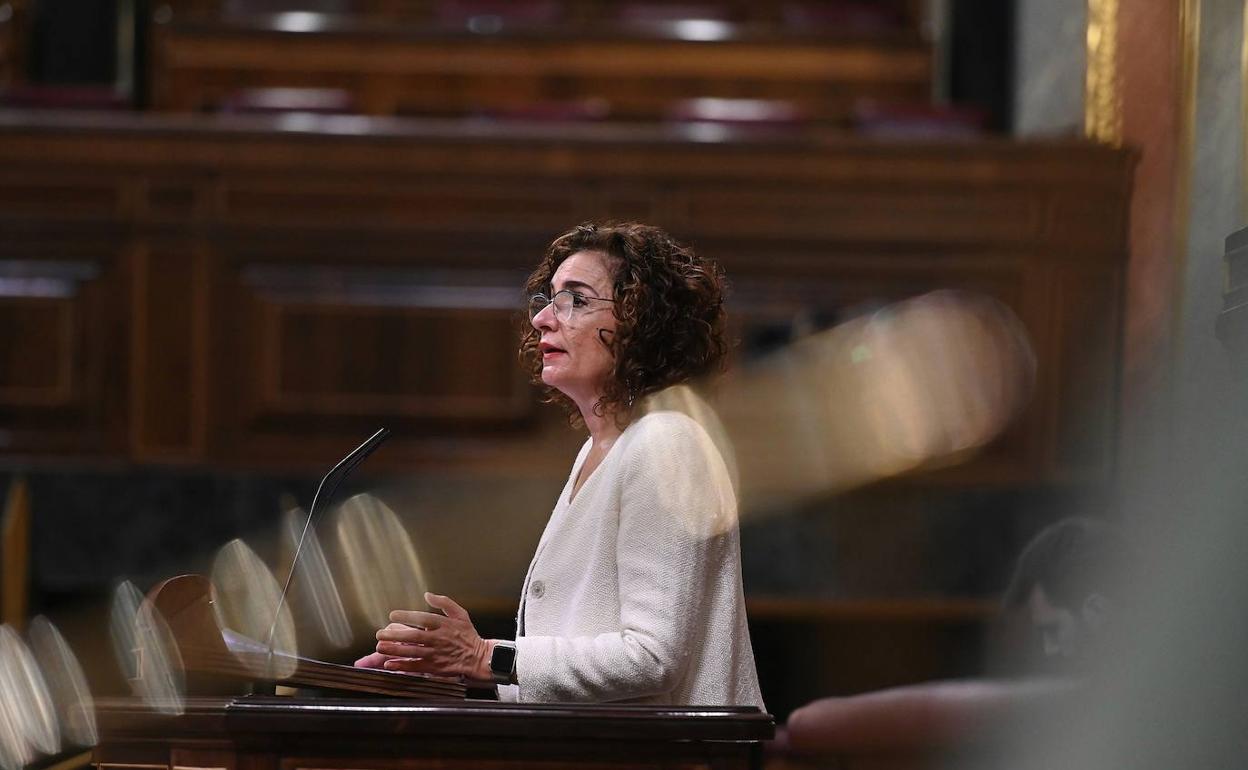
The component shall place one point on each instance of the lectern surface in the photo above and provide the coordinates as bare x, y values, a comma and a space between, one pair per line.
275, 733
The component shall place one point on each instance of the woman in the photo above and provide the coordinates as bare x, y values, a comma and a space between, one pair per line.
635, 590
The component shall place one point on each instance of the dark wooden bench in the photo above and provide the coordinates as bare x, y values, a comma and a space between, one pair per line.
389, 67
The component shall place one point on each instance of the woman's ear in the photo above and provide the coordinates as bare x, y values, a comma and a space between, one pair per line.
603, 338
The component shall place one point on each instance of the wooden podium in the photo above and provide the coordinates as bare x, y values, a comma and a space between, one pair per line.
279, 733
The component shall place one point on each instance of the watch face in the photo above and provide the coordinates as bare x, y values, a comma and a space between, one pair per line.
503, 659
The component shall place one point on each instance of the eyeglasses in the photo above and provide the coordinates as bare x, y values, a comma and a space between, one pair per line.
568, 304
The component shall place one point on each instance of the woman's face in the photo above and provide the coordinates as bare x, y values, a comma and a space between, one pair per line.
575, 359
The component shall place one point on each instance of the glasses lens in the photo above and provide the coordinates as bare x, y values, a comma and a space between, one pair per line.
537, 303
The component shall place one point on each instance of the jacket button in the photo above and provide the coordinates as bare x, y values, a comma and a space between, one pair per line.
537, 589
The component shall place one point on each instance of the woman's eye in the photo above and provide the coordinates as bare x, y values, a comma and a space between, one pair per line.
579, 301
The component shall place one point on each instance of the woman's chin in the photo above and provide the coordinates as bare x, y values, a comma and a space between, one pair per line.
551, 378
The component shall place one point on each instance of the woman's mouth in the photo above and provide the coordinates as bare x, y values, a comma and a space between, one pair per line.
550, 351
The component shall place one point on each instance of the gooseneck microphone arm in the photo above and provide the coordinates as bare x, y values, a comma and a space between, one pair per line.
331, 481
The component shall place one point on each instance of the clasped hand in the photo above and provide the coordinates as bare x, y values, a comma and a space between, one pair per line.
431, 643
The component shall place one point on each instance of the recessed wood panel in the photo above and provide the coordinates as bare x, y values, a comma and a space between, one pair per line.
1087, 217
417, 362
335, 351
418, 203
62, 356
875, 215
168, 339
36, 350
63, 196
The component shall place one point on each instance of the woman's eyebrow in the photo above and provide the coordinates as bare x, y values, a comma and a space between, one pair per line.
578, 286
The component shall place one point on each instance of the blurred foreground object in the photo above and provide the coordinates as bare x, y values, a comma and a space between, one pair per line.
316, 592
27, 715
67, 683
919, 725
45, 706
919, 383
246, 599
381, 562
1232, 323
1066, 580
1177, 695
212, 655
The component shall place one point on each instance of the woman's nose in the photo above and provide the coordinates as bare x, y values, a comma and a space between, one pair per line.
545, 318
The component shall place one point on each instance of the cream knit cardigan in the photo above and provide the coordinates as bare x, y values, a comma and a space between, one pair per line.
634, 593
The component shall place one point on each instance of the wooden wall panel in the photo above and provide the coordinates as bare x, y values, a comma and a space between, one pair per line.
412, 203
263, 295
67, 196
168, 339
420, 363
871, 214
62, 354
332, 350
37, 357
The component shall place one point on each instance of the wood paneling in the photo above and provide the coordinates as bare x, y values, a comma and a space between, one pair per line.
408, 348
15, 550
252, 292
315, 202
169, 344
62, 365
38, 365
201, 60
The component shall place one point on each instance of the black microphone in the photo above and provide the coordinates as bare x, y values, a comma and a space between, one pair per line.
332, 480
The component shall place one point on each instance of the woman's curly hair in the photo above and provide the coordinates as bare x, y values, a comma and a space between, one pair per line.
669, 312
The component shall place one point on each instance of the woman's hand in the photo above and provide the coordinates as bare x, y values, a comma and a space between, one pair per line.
447, 645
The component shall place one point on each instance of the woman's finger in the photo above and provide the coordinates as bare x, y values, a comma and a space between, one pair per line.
397, 632
401, 650
412, 665
447, 605
372, 660
417, 618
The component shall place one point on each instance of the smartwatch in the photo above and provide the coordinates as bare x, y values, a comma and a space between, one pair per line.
503, 662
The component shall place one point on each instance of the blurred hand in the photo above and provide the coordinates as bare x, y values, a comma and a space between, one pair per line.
443, 644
